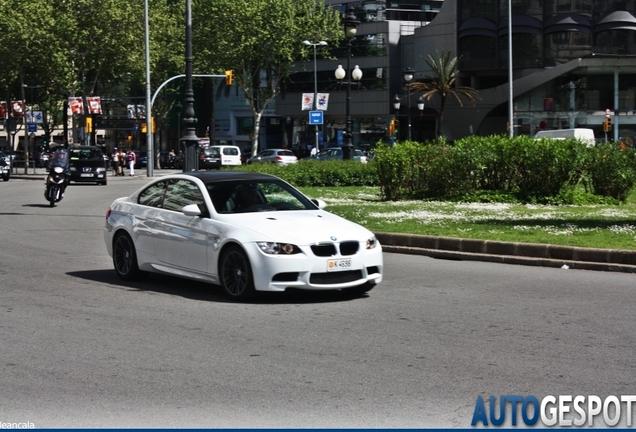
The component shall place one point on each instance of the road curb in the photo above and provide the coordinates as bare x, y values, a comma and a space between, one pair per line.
510, 252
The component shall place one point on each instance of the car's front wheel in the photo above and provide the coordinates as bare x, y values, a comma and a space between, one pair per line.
125, 259
236, 274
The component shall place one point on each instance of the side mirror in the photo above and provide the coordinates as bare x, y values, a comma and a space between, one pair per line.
191, 210
320, 203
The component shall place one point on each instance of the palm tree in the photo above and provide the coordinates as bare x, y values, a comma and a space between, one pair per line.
442, 83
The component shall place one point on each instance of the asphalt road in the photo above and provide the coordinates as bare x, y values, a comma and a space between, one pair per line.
80, 348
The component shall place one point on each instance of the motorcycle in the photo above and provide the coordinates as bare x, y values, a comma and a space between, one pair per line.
58, 178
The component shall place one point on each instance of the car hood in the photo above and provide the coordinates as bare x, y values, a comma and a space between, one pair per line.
299, 227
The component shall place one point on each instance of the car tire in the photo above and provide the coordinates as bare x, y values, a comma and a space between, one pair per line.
102, 183
360, 289
5, 178
125, 259
235, 274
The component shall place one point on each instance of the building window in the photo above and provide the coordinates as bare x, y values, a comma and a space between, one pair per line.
244, 125
478, 52
561, 47
526, 51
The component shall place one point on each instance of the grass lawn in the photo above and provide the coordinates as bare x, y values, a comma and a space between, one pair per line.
598, 226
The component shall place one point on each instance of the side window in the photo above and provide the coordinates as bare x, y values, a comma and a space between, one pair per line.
180, 193
230, 151
153, 195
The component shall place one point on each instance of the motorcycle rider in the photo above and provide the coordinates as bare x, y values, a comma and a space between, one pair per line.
61, 159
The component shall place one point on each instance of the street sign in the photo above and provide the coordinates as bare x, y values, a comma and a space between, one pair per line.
32, 135
315, 117
32, 127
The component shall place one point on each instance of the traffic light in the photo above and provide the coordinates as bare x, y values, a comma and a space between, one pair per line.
89, 124
607, 125
393, 127
229, 77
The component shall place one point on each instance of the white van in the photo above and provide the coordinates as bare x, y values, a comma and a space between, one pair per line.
586, 136
230, 155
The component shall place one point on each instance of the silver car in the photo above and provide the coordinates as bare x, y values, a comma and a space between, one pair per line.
277, 156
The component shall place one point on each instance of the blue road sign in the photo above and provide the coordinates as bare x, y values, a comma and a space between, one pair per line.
315, 117
32, 127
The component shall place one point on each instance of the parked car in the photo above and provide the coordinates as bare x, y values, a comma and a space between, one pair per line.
87, 164
5, 170
141, 159
245, 231
331, 153
276, 156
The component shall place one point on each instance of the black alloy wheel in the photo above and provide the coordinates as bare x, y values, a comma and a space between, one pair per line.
125, 259
236, 274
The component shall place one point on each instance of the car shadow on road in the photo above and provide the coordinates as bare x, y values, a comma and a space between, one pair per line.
202, 291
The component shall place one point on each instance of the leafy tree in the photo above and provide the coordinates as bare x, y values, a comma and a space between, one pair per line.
259, 40
442, 83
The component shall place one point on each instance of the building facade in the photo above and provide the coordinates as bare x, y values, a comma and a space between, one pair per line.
573, 61
376, 50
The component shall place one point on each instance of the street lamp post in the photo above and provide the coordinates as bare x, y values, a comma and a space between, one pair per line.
408, 77
191, 141
350, 24
26, 145
420, 107
178, 107
396, 105
315, 105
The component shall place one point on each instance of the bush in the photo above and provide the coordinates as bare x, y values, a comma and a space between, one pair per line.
476, 168
612, 170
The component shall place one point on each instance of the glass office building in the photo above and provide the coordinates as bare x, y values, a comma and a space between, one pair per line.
572, 61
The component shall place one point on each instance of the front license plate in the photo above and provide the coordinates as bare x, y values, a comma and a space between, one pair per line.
338, 265
86, 175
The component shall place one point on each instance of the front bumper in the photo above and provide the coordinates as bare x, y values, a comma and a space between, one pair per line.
309, 272
88, 176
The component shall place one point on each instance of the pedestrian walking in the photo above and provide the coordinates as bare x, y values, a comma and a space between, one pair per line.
132, 158
122, 162
114, 161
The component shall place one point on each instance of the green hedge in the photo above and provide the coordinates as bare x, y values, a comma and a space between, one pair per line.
502, 168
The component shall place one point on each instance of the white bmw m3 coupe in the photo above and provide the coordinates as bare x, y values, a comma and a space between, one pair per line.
246, 232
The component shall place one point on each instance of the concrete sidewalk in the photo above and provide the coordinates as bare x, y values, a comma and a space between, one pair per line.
465, 249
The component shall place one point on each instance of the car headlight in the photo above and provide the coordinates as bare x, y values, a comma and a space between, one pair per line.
273, 248
101, 170
73, 169
372, 242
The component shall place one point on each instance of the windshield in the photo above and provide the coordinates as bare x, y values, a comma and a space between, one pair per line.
59, 159
247, 196
87, 154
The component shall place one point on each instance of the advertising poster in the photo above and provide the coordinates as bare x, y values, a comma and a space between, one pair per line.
94, 104
3, 109
322, 101
76, 104
18, 108
308, 101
